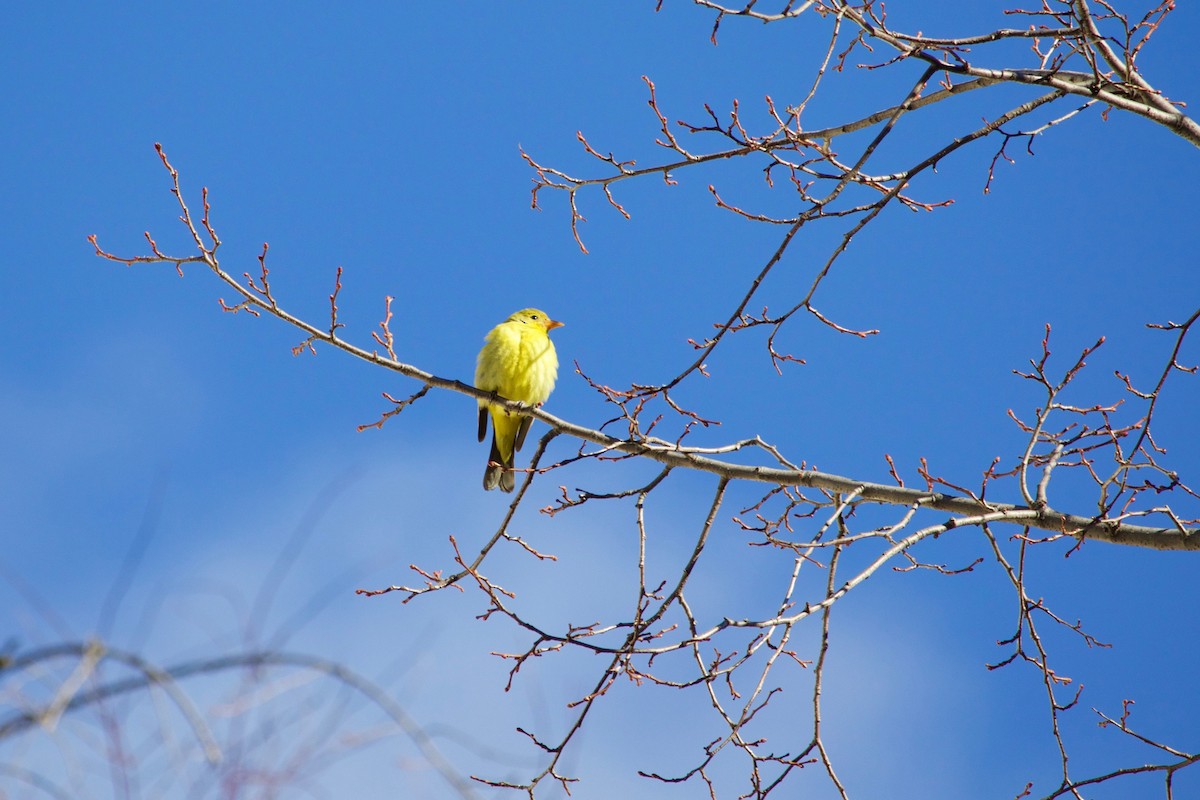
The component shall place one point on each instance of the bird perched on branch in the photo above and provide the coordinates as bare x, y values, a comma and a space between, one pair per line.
517, 362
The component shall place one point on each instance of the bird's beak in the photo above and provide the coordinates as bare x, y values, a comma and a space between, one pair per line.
551, 324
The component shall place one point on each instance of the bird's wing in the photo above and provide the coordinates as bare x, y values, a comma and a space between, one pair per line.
521, 431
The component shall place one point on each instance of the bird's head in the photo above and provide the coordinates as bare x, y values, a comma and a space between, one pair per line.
534, 316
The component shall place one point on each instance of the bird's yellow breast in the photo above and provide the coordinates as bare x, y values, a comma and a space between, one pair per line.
517, 362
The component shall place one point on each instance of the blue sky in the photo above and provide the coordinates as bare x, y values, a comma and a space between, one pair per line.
386, 141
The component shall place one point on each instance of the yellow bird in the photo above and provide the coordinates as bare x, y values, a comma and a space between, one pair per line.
517, 362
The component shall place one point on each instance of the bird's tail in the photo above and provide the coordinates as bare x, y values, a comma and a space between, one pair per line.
498, 472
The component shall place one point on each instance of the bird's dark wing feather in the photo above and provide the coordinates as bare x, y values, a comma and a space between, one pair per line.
521, 431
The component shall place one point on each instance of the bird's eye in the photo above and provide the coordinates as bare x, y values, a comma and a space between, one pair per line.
533, 316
